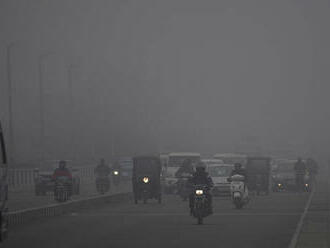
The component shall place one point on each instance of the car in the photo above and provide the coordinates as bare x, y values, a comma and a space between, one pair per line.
211, 161
43, 183
219, 174
231, 158
283, 174
126, 167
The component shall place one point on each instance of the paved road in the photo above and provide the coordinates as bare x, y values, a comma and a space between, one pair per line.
268, 221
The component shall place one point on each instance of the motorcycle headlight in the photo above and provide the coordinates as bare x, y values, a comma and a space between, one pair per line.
199, 192
116, 173
306, 184
145, 179
279, 185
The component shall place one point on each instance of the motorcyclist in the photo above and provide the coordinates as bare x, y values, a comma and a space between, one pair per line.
63, 171
102, 169
300, 171
238, 170
201, 177
312, 169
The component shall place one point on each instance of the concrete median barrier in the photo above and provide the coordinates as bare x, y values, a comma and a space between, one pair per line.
26, 215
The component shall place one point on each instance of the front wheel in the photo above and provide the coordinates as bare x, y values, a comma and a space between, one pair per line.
238, 205
200, 220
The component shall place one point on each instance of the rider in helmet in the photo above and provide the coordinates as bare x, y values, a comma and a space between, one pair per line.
300, 170
238, 170
201, 177
62, 170
102, 169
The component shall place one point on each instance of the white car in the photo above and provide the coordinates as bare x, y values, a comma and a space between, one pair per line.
219, 174
212, 161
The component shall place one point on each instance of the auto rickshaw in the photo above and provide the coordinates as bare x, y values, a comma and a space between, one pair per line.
258, 172
146, 178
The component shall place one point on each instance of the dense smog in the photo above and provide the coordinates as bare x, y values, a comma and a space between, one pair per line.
153, 123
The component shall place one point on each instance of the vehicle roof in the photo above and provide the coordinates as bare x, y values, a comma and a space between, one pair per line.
180, 154
146, 157
212, 160
229, 155
221, 165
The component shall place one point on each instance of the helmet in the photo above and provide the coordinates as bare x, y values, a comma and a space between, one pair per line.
237, 166
62, 164
200, 167
186, 162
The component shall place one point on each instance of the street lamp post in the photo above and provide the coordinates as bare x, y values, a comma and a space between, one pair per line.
11, 145
72, 110
41, 59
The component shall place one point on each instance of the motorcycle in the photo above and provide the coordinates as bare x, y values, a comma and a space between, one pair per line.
116, 177
239, 191
62, 189
201, 208
102, 184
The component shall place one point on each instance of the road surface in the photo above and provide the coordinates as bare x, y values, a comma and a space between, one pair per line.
268, 221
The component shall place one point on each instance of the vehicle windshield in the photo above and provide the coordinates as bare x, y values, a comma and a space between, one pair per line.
285, 167
126, 163
177, 161
146, 165
232, 160
220, 171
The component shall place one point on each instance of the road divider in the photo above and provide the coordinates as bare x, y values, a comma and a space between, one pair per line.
27, 215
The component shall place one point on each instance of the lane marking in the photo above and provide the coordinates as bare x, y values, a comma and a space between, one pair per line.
294, 239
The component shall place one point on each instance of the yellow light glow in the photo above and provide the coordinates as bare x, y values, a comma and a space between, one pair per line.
145, 179
199, 192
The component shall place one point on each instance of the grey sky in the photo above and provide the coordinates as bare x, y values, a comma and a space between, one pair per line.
175, 75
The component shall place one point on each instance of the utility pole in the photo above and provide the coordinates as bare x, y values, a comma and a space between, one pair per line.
72, 112
41, 59
11, 145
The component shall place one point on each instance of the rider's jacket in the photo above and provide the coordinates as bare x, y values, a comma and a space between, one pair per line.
238, 172
102, 171
202, 178
61, 172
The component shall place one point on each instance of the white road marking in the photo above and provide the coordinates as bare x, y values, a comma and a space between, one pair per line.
186, 214
294, 240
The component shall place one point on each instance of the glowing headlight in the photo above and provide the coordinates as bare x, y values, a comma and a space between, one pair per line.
279, 185
306, 184
116, 173
199, 192
145, 179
